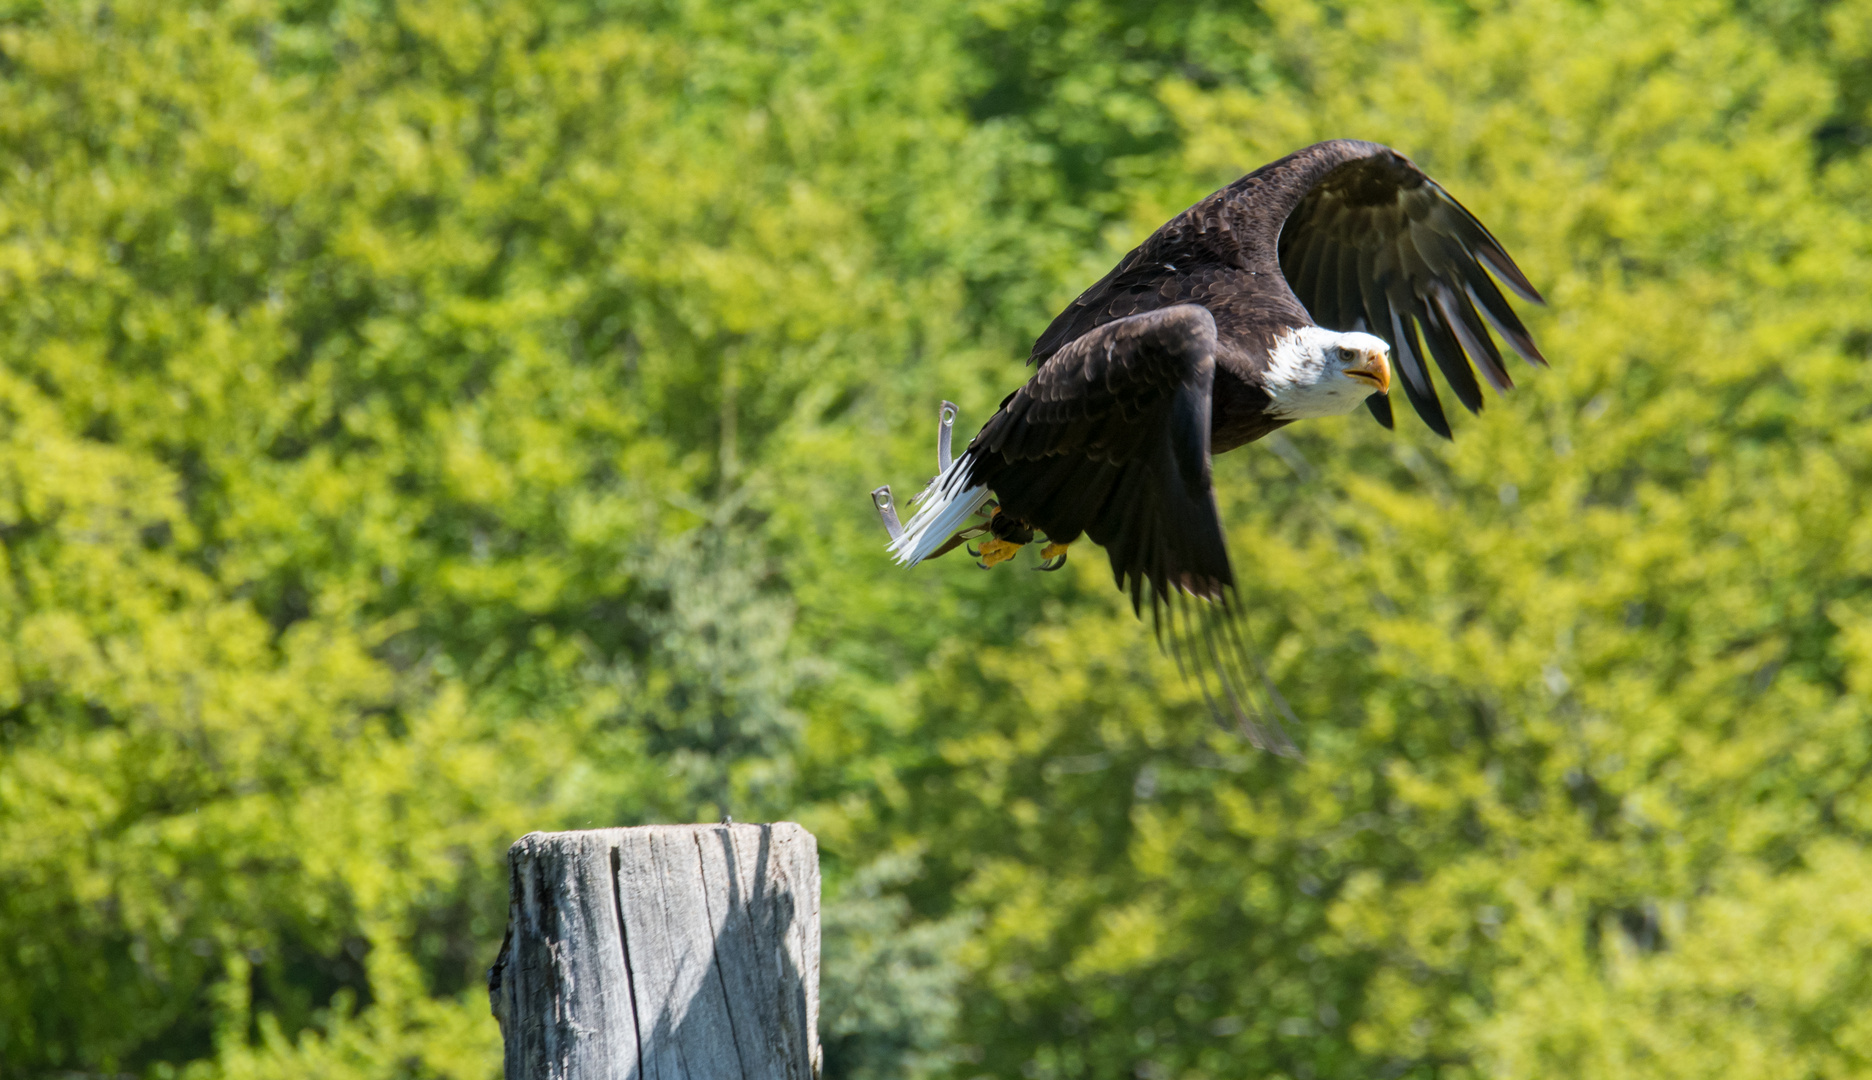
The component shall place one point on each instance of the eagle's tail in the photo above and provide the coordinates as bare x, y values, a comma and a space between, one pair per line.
941, 510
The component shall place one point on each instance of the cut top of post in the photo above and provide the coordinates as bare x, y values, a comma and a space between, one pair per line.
667, 951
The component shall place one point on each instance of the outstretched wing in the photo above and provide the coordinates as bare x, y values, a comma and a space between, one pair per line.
1376, 245
1110, 439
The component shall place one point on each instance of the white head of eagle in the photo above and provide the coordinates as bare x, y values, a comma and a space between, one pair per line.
1313, 371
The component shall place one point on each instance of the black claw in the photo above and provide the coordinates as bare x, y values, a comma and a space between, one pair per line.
1052, 564
973, 553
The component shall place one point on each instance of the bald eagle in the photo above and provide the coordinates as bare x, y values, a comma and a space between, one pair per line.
1295, 292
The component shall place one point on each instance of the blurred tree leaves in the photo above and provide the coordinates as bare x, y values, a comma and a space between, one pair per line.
423, 423
889, 979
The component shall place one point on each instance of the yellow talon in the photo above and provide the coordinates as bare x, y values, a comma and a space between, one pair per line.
1052, 551
998, 551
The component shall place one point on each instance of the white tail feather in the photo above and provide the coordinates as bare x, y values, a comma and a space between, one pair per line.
941, 510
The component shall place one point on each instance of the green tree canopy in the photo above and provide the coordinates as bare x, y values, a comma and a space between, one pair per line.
423, 423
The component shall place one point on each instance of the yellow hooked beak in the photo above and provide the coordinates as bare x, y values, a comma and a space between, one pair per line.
1374, 372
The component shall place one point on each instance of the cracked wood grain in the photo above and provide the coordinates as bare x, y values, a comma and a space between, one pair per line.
667, 952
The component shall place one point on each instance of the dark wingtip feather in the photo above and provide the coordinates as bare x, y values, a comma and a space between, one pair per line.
1456, 370
1380, 407
1448, 350
1428, 407
1417, 385
1495, 309
1461, 318
1504, 268
1433, 416
1509, 326
1490, 250
1211, 652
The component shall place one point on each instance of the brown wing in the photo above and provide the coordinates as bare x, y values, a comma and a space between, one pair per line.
1110, 439
1146, 279
1376, 245
1220, 253
1346, 234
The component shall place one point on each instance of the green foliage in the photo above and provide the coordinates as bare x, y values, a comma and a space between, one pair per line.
424, 423
889, 978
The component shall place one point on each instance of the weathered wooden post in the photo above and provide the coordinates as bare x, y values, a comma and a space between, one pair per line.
668, 952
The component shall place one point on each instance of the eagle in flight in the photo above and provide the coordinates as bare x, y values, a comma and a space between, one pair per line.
1298, 291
